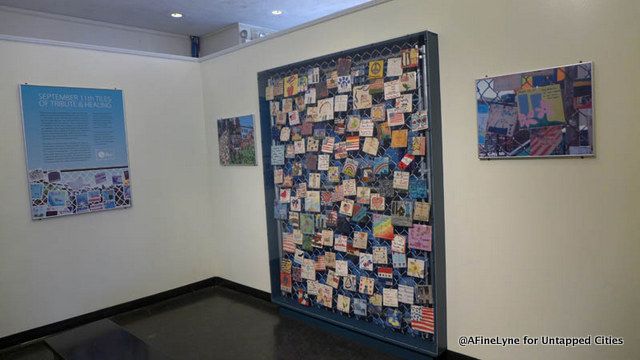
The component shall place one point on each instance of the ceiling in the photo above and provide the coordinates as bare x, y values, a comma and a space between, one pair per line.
200, 16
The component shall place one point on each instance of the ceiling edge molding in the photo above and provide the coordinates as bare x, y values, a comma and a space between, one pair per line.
108, 49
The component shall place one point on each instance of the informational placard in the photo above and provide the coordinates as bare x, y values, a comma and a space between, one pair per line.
76, 150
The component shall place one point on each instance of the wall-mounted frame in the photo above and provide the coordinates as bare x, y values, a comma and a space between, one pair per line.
536, 114
236, 141
76, 150
408, 68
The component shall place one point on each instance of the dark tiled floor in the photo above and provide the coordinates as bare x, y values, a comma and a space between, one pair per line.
218, 323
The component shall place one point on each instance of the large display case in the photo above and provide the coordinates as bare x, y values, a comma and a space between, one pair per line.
352, 156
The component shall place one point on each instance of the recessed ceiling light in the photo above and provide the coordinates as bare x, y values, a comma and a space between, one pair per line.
277, 12
176, 15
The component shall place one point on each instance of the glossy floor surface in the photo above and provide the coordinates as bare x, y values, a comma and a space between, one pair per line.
219, 323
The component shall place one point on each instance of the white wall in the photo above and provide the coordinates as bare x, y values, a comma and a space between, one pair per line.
55, 269
537, 247
33, 24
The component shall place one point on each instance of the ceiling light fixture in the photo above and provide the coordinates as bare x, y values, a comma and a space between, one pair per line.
277, 12
176, 15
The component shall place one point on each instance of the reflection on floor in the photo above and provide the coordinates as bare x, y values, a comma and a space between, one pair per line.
218, 323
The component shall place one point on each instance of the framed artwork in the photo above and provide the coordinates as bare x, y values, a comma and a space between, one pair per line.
359, 183
236, 141
534, 114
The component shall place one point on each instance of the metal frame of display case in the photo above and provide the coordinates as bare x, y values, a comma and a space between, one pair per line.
401, 344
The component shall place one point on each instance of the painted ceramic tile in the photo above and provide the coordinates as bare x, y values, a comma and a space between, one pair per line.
366, 262
404, 103
408, 81
360, 214
419, 121
395, 117
342, 267
409, 58
376, 86
380, 255
340, 243
390, 297
312, 115
422, 319
299, 147
344, 84
353, 123
349, 187
350, 167
381, 165
298, 257
332, 80
333, 279
405, 294
320, 264
277, 155
399, 138
314, 180
359, 307
420, 237
313, 75
382, 227
333, 174
361, 97
377, 202
401, 180
376, 69
325, 295
415, 268
325, 109
343, 303
285, 196
291, 85
310, 96
296, 203
366, 128
398, 244
327, 237
313, 145
383, 131
307, 224
418, 146
394, 66
402, 213
366, 285
330, 259
328, 144
417, 188
278, 175
350, 283
341, 103
343, 66
363, 193
378, 113
340, 150
399, 261
287, 105
346, 207
421, 211
353, 143
424, 295
308, 269
360, 239
391, 89
294, 117
323, 162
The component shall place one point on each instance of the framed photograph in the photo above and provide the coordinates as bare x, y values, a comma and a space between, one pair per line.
541, 113
236, 141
